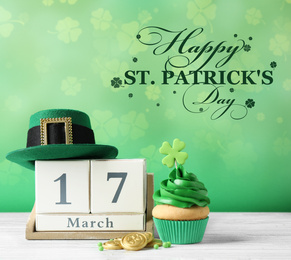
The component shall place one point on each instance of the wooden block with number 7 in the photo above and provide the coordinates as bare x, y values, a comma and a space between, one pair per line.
62, 186
118, 185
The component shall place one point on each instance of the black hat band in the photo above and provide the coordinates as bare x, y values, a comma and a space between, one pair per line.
56, 135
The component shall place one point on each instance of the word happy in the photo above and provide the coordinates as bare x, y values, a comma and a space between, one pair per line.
187, 51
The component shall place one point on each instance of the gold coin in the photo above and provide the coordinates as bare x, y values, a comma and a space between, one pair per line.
118, 239
154, 242
112, 245
149, 236
134, 241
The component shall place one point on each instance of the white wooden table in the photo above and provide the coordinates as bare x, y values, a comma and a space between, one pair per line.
228, 236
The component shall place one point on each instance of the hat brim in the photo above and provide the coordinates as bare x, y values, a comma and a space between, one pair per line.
26, 157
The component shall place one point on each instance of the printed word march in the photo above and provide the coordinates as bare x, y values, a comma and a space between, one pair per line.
77, 223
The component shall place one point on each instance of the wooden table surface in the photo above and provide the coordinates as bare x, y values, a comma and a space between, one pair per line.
228, 236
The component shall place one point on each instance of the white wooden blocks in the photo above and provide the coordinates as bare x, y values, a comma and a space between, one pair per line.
96, 195
62, 186
118, 186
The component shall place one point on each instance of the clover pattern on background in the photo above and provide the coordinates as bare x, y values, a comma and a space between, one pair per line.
71, 86
201, 12
6, 23
279, 45
253, 16
105, 126
173, 153
153, 92
101, 19
126, 38
133, 125
68, 30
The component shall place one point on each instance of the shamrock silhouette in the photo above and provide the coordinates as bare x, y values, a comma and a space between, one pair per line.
247, 48
250, 103
116, 82
173, 153
273, 64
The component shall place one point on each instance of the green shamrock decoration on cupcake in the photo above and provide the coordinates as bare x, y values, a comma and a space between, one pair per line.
173, 153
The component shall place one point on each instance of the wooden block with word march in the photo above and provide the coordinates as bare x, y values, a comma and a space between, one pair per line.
118, 185
90, 222
62, 186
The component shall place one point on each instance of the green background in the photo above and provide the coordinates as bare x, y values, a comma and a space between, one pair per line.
64, 54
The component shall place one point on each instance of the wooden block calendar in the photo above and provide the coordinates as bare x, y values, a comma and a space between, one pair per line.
91, 199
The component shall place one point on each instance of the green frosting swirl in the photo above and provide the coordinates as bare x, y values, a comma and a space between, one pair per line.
182, 189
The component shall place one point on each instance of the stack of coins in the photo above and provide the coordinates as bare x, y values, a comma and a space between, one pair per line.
133, 241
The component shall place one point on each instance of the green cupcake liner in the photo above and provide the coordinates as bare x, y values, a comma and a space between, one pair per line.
181, 232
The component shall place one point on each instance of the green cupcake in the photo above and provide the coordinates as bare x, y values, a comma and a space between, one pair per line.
181, 211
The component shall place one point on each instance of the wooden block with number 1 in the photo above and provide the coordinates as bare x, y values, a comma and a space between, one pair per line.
62, 186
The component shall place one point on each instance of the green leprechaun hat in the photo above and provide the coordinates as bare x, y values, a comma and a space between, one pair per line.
60, 134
